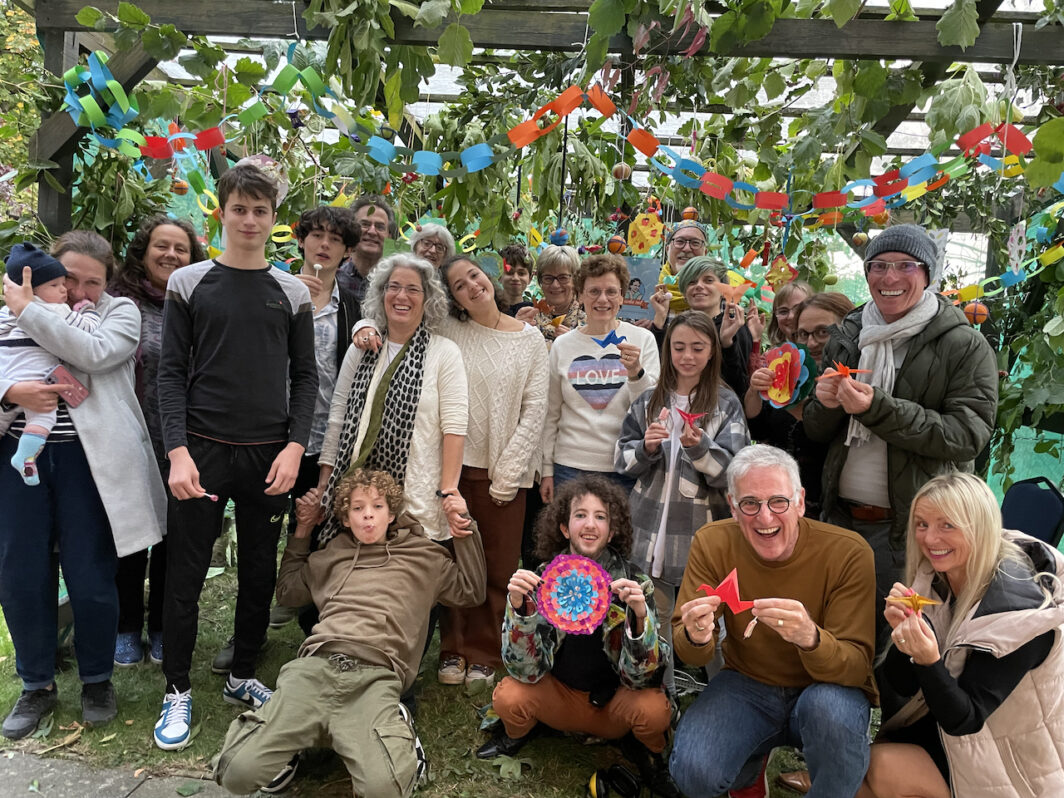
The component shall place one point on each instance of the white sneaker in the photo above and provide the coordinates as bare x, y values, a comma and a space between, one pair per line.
174, 727
250, 693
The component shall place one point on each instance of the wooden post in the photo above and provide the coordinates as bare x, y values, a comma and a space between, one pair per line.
53, 207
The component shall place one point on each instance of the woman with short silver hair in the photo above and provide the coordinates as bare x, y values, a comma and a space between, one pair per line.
403, 408
433, 242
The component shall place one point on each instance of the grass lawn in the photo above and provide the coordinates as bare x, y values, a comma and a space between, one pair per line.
447, 722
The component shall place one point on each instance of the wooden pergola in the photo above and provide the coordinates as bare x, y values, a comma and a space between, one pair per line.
541, 25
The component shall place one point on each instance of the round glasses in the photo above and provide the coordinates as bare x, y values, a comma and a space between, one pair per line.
688, 243
560, 279
751, 507
436, 246
820, 334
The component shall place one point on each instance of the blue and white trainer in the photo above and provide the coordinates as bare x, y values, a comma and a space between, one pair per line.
174, 728
250, 693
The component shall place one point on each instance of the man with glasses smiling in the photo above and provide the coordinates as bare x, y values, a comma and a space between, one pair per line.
926, 407
376, 222
798, 665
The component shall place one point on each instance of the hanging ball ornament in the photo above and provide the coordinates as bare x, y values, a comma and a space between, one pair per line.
617, 245
976, 312
179, 187
622, 171
830, 279
690, 213
859, 239
882, 218
560, 237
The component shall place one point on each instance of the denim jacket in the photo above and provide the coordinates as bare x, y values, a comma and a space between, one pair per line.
529, 642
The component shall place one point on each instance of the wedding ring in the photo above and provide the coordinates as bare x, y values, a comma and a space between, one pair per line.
779, 622
901, 640
700, 627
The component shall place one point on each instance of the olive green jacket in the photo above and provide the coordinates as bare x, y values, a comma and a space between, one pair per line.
938, 418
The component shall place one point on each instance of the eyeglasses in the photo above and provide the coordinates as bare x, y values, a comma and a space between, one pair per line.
820, 334
397, 288
881, 267
560, 279
777, 504
595, 293
688, 243
366, 224
437, 246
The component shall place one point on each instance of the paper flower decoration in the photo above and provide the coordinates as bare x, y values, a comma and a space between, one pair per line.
780, 272
792, 374
574, 594
644, 232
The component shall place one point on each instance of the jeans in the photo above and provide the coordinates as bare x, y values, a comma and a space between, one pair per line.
230, 471
65, 511
736, 721
564, 473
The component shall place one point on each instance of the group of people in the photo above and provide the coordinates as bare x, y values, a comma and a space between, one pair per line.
412, 417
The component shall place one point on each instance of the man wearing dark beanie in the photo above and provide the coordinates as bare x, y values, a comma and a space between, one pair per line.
22, 359
926, 407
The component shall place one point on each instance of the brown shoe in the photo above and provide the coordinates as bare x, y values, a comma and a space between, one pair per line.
452, 670
797, 780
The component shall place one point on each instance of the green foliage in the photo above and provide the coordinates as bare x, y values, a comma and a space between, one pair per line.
456, 45
959, 25
958, 105
1046, 167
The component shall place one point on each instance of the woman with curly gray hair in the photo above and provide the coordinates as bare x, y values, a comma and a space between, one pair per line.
401, 408
433, 242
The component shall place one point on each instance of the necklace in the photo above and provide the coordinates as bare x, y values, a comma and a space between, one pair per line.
498, 321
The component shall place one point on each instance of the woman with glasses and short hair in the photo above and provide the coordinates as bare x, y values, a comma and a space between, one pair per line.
555, 267
782, 426
433, 242
596, 372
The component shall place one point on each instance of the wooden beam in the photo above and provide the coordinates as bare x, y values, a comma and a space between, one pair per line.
54, 207
516, 29
58, 133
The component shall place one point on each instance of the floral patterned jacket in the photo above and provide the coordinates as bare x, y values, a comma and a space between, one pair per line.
529, 642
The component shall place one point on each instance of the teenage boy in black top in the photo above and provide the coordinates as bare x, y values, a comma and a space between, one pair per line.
237, 385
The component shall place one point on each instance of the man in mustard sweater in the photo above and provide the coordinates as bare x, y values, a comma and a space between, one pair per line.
798, 664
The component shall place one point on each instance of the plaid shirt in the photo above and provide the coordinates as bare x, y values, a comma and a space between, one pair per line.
698, 495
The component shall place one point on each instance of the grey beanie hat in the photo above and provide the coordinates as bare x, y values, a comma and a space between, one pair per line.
45, 267
910, 239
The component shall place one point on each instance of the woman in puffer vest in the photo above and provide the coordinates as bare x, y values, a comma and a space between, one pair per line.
982, 667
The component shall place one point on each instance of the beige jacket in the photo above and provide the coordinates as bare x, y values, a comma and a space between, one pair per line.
1019, 752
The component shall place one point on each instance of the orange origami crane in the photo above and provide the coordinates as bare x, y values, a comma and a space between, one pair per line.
842, 370
915, 602
728, 591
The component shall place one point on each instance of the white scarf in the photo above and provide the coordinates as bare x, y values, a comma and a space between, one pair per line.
877, 342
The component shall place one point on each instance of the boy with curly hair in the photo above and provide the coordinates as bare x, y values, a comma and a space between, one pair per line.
374, 584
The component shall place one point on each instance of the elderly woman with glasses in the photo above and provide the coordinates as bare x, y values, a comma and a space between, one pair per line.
555, 267
782, 426
401, 408
925, 406
433, 242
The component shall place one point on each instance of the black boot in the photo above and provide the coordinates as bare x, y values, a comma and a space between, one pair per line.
502, 744
653, 769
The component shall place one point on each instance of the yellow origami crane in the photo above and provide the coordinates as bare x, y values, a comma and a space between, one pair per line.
915, 602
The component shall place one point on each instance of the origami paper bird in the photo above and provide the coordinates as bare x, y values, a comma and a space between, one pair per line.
915, 602
728, 590
543, 306
689, 418
842, 370
611, 338
557, 320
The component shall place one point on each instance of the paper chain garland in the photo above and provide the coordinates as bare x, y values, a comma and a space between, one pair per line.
574, 594
106, 104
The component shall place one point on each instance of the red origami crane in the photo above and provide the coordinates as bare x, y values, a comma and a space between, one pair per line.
728, 590
842, 370
689, 418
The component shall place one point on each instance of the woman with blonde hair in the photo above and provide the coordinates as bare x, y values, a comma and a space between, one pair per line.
555, 272
981, 665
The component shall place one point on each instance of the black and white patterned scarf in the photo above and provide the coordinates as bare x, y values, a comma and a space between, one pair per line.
391, 414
